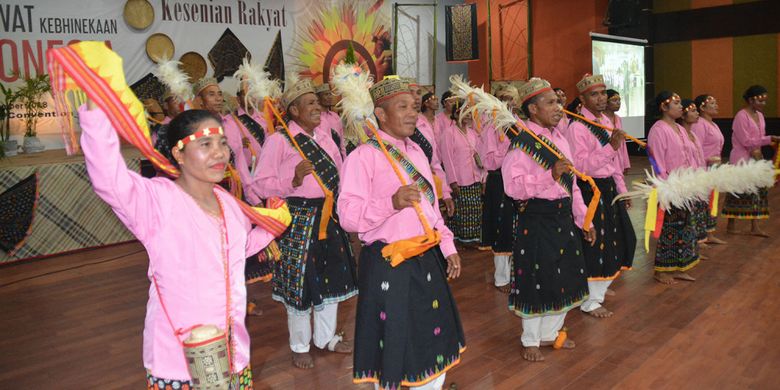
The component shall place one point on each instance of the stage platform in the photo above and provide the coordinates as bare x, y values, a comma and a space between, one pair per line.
67, 216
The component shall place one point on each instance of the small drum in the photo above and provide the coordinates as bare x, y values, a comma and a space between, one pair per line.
207, 358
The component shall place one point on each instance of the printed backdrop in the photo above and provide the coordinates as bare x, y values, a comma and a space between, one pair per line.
314, 35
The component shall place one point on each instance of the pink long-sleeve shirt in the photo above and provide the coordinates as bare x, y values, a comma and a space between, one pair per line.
457, 154
590, 157
184, 245
623, 159
747, 135
440, 121
365, 204
524, 179
235, 135
330, 120
492, 147
709, 135
672, 148
278, 160
436, 165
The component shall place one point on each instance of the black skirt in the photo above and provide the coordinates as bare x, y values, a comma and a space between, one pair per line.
313, 272
407, 329
498, 216
548, 270
615, 237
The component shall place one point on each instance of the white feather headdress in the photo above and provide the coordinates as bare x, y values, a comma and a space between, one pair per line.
485, 104
175, 80
259, 84
353, 83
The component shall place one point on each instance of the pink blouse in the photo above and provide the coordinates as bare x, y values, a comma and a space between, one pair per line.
624, 160
524, 179
184, 246
492, 147
440, 121
330, 120
457, 154
365, 203
235, 133
672, 148
747, 135
436, 165
710, 136
590, 157
278, 160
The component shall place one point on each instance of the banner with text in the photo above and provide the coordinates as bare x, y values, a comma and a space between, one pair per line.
210, 37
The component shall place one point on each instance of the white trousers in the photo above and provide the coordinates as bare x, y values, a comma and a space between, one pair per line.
597, 290
538, 329
503, 269
435, 384
299, 326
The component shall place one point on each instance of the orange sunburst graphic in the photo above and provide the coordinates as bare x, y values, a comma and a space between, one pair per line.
324, 41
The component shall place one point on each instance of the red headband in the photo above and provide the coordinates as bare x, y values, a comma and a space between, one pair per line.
199, 134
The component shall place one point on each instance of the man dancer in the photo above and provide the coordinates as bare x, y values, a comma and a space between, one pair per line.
596, 155
316, 269
407, 330
548, 277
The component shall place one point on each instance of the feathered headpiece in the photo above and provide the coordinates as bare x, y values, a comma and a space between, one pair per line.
258, 84
175, 80
353, 83
481, 102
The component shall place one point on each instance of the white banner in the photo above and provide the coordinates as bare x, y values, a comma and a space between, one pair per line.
309, 31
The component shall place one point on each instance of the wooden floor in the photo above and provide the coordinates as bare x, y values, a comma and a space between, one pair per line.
75, 321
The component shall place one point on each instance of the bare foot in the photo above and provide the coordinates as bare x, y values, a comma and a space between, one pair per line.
610, 292
504, 289
532, 354
684, 276
702, 245
303, 360
715, 240
342, 347
702, 257
759, 233
601, 312
664, 278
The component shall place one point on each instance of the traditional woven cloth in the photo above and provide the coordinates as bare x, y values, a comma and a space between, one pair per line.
17, 208
68, 216
747, 206
676, 250
407, 329
313, 272
467, 222
548, 271
498, 216
615, 237
92, 69
701, 219
242, 382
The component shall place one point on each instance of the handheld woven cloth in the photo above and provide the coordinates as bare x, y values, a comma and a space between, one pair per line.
91, 70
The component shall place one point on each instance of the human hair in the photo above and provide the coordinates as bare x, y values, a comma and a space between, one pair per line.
572, 107
753, 91
424, 99
455, 109
685, 104
701, 99
611, 93
524, 106
183, 125
556, 89
654, 106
